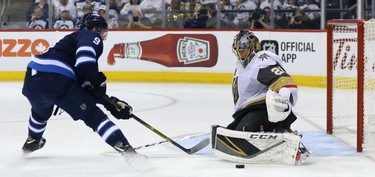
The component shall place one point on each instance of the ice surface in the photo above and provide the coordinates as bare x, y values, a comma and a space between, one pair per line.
72, 149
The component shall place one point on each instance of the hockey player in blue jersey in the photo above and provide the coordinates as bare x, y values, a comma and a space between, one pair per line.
67, 75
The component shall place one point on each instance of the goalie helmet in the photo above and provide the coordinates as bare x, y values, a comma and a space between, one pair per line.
245, 45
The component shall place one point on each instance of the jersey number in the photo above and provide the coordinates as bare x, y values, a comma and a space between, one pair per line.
96, 41
277, 70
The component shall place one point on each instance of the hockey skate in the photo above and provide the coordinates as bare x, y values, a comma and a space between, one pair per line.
304, 155
32, 144
129, 153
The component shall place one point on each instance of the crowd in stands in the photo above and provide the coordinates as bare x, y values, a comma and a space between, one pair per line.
67, 14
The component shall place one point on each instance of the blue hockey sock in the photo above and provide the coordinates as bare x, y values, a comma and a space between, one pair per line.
36, 128
111, 133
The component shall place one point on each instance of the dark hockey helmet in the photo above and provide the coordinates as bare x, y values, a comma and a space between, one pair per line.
94, 20
245, 45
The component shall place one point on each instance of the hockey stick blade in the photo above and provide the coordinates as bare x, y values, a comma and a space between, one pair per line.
199, 146
179, 138
192, 150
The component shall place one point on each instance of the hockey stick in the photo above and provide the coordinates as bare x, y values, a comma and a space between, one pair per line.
192, 150
179, 138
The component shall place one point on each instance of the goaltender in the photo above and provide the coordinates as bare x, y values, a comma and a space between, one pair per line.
264, 95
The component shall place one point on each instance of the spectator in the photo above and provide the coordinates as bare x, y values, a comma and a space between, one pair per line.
175, 14
242, 17
277, 4
152, 10
281, 21
198, 20
261, 19
113, 18
126, 12
64, 5
292, 5
64, 21
300, 20
314, 16
37, 20
212, 17
102, 10
192, 8
43, 4
87, 8
135, 21
79, 6
128, 7
226, 16
117, 5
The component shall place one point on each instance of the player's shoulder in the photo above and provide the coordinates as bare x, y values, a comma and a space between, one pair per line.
266, 58
266, 54
86, 34
87, 37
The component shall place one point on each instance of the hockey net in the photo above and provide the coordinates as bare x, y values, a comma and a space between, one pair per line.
351, 80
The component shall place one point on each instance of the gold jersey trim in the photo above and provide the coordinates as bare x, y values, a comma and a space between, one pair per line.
253, 101
281, 82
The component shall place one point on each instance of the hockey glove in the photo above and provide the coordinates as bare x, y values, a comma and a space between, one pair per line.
118, 108
278, 108
97, 88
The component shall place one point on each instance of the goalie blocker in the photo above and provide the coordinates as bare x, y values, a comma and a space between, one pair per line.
258, 147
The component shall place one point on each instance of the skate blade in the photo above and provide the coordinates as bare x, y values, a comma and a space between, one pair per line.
305, 158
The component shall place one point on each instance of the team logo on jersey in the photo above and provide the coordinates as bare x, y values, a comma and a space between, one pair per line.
270, 45
192, 50
263, 56
83, 106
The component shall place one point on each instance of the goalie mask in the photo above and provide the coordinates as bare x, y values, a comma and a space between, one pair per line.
245, 45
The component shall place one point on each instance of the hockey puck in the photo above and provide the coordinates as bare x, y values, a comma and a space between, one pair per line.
240, 166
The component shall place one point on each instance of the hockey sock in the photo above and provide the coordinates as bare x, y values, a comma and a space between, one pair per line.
111, 133
36, 128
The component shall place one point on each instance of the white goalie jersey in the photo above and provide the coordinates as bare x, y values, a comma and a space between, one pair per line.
265, 71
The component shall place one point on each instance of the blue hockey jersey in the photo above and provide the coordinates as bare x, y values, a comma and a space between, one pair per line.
75, 56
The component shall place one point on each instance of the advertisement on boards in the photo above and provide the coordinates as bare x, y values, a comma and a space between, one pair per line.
303, 53
170, 50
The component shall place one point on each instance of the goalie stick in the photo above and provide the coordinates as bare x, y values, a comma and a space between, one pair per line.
191, 150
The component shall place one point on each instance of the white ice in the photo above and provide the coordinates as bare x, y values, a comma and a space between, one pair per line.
72, 149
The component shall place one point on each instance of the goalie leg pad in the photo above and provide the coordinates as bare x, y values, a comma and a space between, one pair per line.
254, 147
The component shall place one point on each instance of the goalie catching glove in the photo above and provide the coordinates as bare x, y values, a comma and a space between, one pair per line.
118, 108
278, 108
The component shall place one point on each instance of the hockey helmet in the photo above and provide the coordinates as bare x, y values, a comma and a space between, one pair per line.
94, 20
245, 45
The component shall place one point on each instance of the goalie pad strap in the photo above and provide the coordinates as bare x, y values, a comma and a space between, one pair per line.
254, 147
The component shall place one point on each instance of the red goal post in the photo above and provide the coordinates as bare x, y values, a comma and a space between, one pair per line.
350, 79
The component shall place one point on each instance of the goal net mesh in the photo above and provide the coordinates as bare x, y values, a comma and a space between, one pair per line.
344, 79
